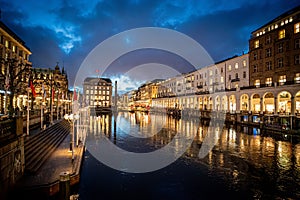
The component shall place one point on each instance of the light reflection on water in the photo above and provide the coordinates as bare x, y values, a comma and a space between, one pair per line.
243, 156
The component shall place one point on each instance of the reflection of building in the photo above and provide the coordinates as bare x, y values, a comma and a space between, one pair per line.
14, 60
97, 92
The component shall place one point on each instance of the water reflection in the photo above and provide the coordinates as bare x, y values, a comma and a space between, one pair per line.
242, 155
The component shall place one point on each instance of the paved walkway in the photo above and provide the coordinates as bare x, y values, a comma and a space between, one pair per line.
59, 161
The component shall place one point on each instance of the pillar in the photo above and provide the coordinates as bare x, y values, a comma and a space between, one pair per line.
64, 185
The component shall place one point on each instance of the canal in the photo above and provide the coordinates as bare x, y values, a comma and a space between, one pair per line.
244, 162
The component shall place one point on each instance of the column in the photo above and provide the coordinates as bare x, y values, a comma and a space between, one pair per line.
293, 105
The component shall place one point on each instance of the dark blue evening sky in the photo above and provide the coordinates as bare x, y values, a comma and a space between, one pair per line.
66, 31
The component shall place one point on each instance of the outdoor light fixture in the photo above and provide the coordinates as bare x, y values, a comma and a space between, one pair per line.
71, 119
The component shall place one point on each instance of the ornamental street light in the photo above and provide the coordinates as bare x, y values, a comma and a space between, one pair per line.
71, 119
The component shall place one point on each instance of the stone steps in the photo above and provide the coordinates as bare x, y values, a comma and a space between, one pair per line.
40, 146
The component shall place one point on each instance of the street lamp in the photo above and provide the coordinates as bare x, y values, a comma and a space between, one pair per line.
71, 119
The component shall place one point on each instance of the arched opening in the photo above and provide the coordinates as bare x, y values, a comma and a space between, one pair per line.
210, 103
297, 102
224, 105
232, 103
284, 102
205, 103
217, 107
200, 103
244, 102
269, 106
255, 103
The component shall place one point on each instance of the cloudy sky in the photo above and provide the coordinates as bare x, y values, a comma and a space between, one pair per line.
67, 31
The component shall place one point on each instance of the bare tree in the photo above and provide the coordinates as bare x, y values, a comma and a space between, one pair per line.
17, 74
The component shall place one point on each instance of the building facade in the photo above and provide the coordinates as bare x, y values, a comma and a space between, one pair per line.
14, 68
274, 51
97, 92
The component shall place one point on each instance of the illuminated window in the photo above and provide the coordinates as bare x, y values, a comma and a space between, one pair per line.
257, 82
210, 72
14, 48
236, 66
222, 79
297, 28
244, 63
229, 67
210, 81
297, 78
282, 79
268, 81
256, 44
281, 34
6, 43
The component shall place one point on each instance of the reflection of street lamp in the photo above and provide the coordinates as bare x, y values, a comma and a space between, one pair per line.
71, 119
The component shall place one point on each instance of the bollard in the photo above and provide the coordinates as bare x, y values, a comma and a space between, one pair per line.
64, 185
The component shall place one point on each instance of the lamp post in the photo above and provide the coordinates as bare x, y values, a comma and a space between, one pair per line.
71, 119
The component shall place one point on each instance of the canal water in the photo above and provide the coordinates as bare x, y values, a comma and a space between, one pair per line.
244, 163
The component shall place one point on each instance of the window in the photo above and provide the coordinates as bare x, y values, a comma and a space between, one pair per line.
256, 44
297, 43
268, 66
297, 78
229, 77
222, 79
210, 72
229, 67
6, 43
236, 75
244, 74
268, 52
297, 28
268, 40
281, 34
221, 69
255, 69
269, 81
216, 71
282, 79
244, 63
257, 82
280, 47
210, 81
280, 62
297, 59
255, 56
236, 66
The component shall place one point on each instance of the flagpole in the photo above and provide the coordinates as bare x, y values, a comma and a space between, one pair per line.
42, 117
5, 111
28, 111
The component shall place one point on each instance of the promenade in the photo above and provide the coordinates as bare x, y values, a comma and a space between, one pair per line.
45, 183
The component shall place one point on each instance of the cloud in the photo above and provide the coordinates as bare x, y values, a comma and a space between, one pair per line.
66, 31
